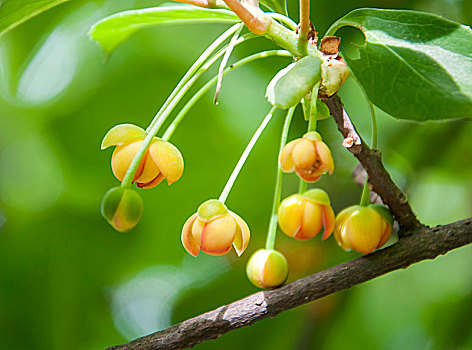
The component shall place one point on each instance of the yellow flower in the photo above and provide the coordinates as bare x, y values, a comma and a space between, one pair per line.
162, 160
213, 229
363, 228
303, 216
267, 269
308, 156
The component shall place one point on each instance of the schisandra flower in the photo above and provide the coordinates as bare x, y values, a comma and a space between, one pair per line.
303, 216
162, 160
267, 269
308, 156
214, 229
363, 228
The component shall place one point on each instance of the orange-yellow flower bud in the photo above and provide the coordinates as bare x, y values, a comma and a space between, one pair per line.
162, 160
363, 228
213, 229
267, 269
122, 208
303, 216
308, 156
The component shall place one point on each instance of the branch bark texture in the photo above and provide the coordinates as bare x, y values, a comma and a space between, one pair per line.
371, 160
424, 243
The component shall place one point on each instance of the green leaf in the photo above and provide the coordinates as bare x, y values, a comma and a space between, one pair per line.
279, 6
293, 82
413, 65
113, 30
15, 12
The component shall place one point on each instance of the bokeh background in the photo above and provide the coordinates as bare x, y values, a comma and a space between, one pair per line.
69, 281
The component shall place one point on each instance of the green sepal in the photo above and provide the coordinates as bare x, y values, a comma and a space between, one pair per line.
318, 196
211, 209
383, 211
313, 136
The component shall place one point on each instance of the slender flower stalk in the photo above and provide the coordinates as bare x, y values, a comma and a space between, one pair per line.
245, 155
284, 19
183, 112
161, 117
224, 61
272, 232
193, 69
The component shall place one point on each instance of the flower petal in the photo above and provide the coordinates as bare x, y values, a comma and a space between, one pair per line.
150, 170
328, 221
386, 235
122, 158
242, 236
364, 228
339, 222
310, 175
168, 159
285, 157
312, 221
190, 245
290, 215
325, 156
218, 235
304, 154
156, 181
121, 134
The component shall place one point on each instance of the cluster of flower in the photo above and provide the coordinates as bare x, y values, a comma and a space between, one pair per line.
214, 229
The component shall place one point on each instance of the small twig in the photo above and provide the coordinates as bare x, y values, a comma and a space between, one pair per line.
254, 19
371, 160
425, 243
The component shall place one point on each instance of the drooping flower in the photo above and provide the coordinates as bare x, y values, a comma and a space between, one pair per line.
162, 160
308, 156
303, 216
214, 229
363, 229
267, 268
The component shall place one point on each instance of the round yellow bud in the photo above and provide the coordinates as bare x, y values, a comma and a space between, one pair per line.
267, 269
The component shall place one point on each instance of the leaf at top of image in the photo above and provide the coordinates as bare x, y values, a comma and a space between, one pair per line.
413, 65
15, 12
113, 30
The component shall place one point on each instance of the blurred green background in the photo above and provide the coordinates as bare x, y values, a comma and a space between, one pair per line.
69, 281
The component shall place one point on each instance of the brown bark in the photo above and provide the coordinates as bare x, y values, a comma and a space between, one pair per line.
424, 243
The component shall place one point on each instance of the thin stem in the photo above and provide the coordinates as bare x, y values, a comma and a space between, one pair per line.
195, 66
272, 232
211, 4
302, 186
224, 61
160, 119
229, 185
304, 24
284, 19
183, 112
365, 198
